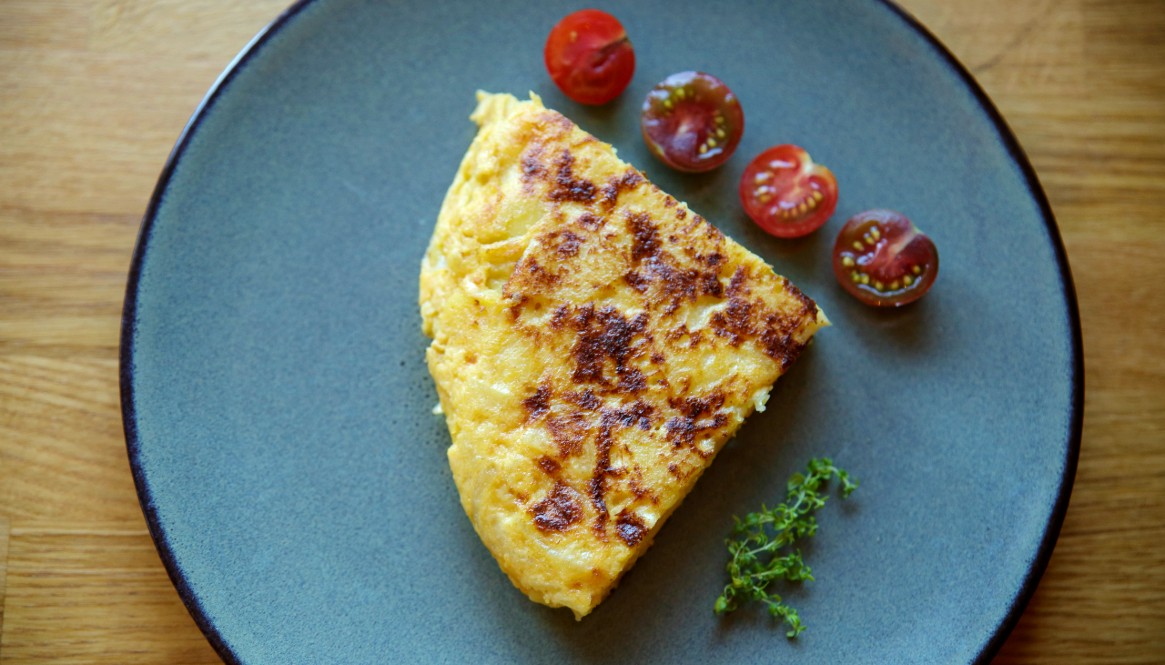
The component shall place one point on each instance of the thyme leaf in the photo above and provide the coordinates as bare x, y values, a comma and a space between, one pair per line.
761, 550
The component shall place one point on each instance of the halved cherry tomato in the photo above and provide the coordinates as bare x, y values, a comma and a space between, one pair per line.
589, 56
692, 121
883, 260
784, 192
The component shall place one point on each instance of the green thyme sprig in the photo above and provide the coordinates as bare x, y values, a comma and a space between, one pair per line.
760, 546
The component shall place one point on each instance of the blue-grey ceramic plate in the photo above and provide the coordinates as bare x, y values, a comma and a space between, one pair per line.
278, 410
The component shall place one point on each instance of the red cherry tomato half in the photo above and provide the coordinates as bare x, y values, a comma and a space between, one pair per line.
692, 122
784, 192
883, 260
589, 56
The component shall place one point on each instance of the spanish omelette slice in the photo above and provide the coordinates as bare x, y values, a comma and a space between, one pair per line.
594, 345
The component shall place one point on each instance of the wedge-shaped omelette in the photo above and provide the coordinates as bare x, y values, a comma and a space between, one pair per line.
595, 343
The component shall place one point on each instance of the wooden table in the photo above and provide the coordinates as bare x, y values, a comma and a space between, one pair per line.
93, 94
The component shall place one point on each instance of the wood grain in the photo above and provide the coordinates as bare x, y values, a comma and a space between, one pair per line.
93, 95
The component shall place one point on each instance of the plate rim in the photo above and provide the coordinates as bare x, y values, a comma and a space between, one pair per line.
1043, 554
128, 329
254, 47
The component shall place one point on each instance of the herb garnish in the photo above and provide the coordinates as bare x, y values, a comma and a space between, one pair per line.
760, 543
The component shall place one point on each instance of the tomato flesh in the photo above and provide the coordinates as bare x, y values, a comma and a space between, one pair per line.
883, 260
589, 56
692, 121
786, 193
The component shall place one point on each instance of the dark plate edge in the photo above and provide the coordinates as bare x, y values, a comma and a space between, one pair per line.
128, 330
1076, 425
1007, 137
